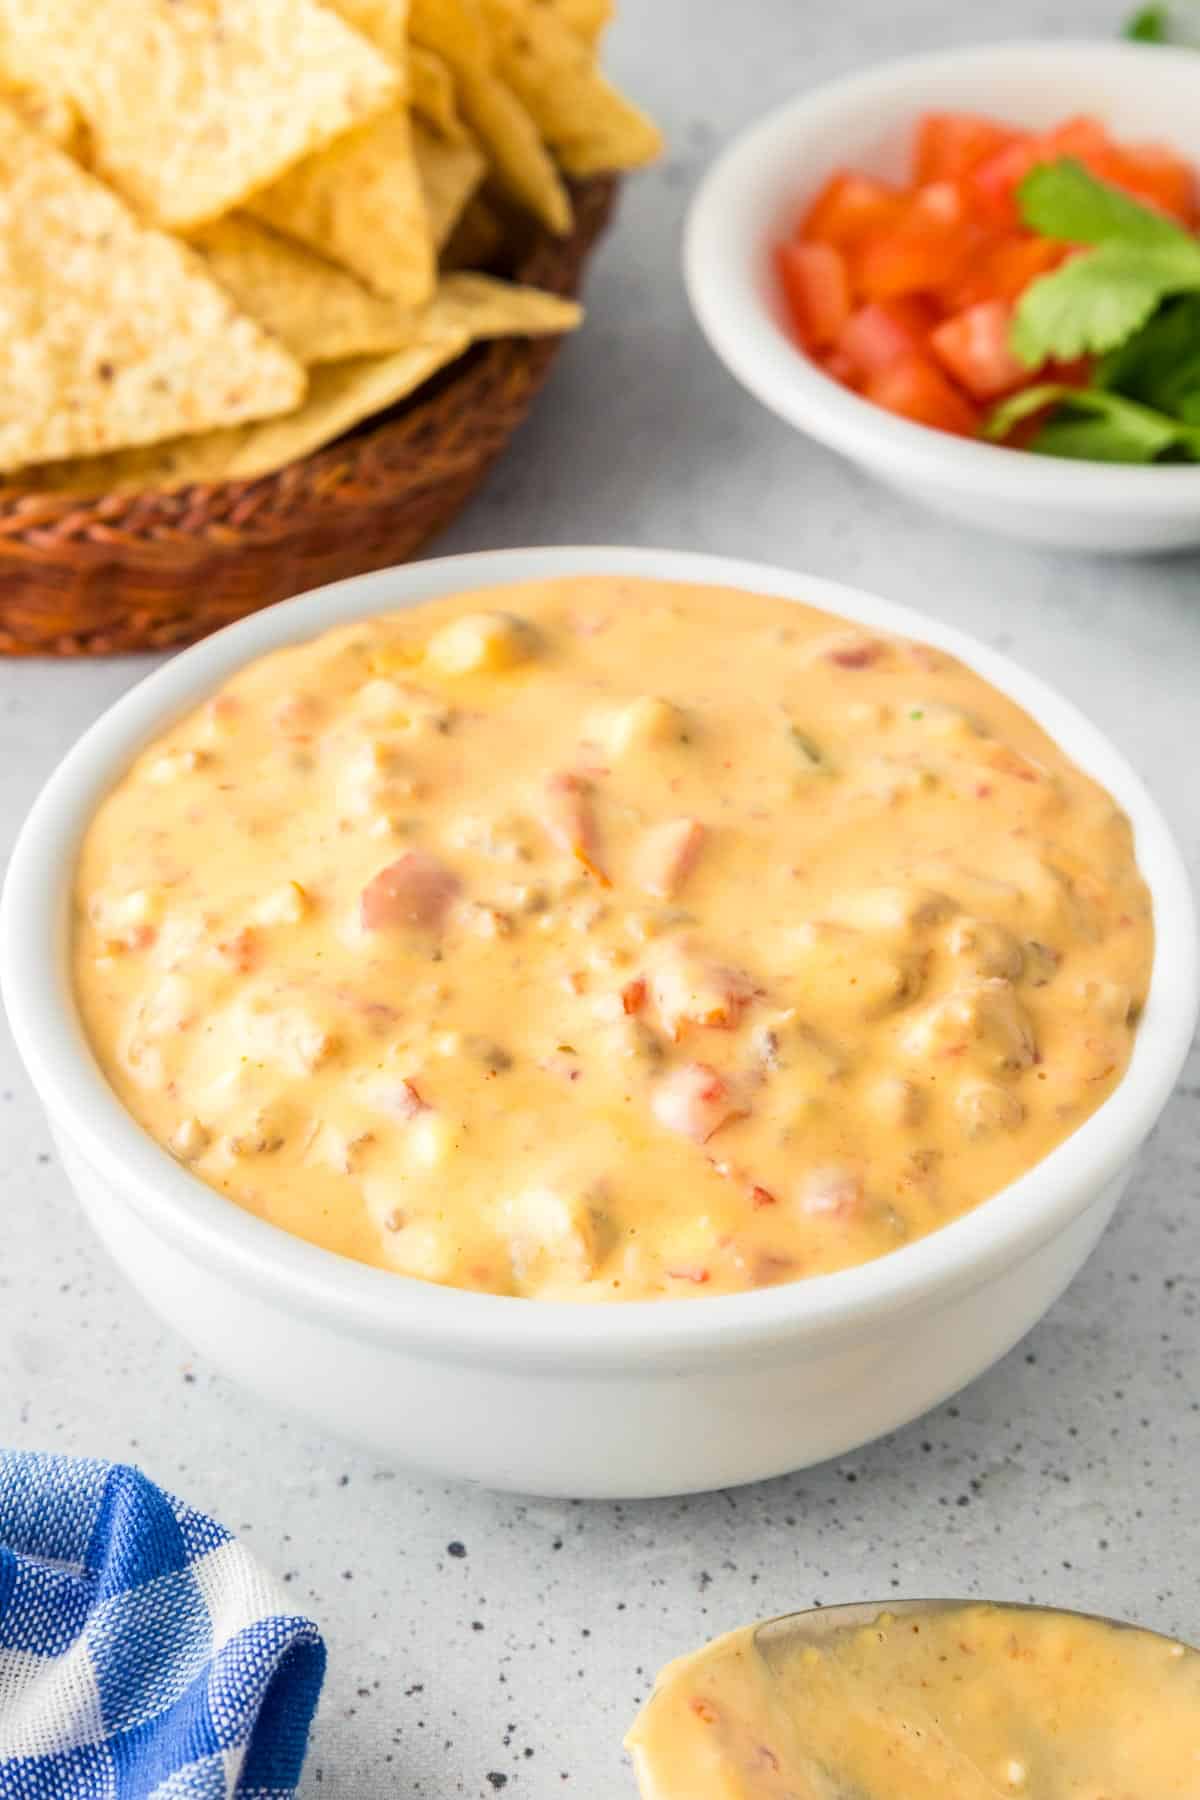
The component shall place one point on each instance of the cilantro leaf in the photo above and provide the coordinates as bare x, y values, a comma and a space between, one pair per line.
1149, 25
1094, 302
1099, 440
1063, 200
1159, 365
1133, 298
1094, 424
1162, 25
1018, 407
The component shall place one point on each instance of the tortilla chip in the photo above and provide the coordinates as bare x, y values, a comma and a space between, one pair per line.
110, 333
588, 19
456, 30
450, 174
383, 22
428, 81
590, 126
193, 104
486, 307
318, 311
431, 90
340, 396
25, 87
360, 204
514, 150
50, 114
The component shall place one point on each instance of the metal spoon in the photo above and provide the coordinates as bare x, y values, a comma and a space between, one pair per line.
776, 1638
777, 1641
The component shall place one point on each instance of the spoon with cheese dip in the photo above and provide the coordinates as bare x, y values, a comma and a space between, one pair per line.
925, 1700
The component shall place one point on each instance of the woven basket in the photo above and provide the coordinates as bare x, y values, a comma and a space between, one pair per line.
151, 571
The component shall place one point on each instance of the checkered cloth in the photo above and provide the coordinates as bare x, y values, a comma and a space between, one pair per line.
143, 1653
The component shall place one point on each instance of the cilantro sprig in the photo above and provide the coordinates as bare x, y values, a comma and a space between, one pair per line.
1099, 299
1149, 25
1132, 298
1167, 24
1064, 200
1095, 424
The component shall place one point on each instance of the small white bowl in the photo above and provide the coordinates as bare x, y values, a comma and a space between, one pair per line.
654, 1397
757, 189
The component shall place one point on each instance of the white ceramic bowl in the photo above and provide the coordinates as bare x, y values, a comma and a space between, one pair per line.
647, 1398
757, 188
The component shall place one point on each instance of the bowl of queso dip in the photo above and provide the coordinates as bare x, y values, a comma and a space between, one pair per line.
938, 1697
600, 984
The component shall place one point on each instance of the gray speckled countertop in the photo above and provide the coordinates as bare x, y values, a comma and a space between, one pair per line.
482, 1644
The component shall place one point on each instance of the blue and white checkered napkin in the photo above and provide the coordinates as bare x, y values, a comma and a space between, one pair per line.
143, 1653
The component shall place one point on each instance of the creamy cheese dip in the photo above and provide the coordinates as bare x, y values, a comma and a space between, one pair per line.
607, 939
972, 1703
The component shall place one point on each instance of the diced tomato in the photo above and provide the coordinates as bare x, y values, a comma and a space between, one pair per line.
816, 285
925, 252
974, 347
1146, 171
941, 203
689, 990
919, 313
832, 1192
243, 950
995, 182
847, 206
950, 145
694, 1101
569, 819
1163, 176
666, 854
843, 368
1153, 175
1004, 269
915, 388
855, 651
907, 296
1080, 136
1013, 265
1069, 374
910, 262
416, 890
402, 1099
882, 331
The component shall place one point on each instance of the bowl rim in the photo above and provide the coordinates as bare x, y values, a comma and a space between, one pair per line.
724, 262
457, 1324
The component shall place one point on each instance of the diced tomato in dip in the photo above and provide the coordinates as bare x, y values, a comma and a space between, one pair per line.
907, 294
709, 943
414, 891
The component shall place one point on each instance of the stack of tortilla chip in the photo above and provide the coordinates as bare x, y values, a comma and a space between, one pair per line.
230, 230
